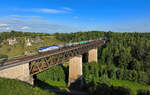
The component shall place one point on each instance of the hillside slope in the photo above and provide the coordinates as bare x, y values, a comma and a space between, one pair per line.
25, 45
15, 87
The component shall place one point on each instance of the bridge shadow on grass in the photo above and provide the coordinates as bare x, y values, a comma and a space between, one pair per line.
77, 87
77, 84
66, 71
45, 86
74, 89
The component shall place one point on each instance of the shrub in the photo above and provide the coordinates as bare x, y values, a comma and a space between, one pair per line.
121, 91
105, 89
55, 73
126, 75
134, 65
111, 71
143, 92
143, 77
102, 89
90, 71
3, 56
119, 74
130, 75
9, 49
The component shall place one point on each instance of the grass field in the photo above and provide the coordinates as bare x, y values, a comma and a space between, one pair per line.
132, 85
61, 84
20, 48
15, 87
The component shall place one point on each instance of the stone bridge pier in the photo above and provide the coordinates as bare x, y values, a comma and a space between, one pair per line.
75, 70
92, 55
20, 72
75, 66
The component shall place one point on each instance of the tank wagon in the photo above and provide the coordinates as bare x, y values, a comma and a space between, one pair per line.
83, 42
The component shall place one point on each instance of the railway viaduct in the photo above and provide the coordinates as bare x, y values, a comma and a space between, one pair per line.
23, 68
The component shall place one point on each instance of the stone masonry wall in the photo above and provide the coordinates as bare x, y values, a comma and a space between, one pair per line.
75, 69
20, 72
92, 55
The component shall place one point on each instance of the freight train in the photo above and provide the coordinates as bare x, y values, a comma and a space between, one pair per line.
54, 47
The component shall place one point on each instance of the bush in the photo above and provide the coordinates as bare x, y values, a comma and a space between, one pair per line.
103, 70
121, 91
9, 49
134, 65
94, 70
3, 56
90, 71
55, 73
143, 92
130, 75
102, 89
134, 75
105, 89
143, 77
111, 71
119, 74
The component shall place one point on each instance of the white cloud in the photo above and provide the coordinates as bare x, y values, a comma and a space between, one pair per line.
34, 16
45, 10
25, 28
15, 15
35, 25
7, 28
50, 11
75, 17
42, 25
1, 25
22, 16
91, 19
67, 8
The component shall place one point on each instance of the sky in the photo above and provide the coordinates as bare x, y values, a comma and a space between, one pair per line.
53, 16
